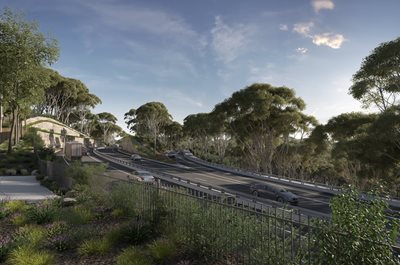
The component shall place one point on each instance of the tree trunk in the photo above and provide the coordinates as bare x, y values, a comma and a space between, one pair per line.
10, 139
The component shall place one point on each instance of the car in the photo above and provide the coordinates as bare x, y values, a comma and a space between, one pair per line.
144, 176
136, 157
280, 193
171, 154
186, 152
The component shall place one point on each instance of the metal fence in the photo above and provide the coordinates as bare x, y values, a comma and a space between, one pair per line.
222, 230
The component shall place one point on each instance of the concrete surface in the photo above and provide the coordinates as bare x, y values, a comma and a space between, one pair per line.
23, 188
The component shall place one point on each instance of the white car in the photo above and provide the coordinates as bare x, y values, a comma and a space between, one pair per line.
136, 157
144, 176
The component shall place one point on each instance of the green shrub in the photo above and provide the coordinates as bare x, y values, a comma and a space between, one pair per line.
359, 232
57, 228
5, 247
28, 256
15, 206
41, 213
81, 173
61, 242
19, 219
163, 250
32, 236
118, 213
94, 246
85, 214
132, 256
114, 236
136, 233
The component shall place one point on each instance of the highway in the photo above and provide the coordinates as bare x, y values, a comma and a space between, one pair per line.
308, 199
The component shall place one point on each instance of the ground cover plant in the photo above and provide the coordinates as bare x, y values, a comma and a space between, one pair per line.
132, 223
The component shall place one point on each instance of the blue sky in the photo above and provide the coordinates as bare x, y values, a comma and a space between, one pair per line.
191, 54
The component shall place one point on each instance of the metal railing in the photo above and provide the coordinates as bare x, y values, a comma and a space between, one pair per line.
227, 232
241, 198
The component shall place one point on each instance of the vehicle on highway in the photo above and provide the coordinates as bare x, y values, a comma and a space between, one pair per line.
280, 194
171, 154
143, 176
136, 157
186, 152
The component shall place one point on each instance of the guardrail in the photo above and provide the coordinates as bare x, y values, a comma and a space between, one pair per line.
241, 198
275, 178
279, 179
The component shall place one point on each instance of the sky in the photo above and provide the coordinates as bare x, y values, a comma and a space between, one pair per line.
192, 54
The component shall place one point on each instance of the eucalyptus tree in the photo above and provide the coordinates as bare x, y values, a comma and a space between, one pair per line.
24, 51
148, 120
260, 117
377, 82
107, 124
173, 134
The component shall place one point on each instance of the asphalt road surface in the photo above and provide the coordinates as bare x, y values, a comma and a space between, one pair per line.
308, 199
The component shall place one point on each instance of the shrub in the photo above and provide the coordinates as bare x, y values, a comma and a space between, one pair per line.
360, 232
28, 256
135, 232
94, 246
41, 213
82, 173
5, 247
19, 219
57, 228
85, 214
15, 206
32, 236
60, 242
163, 250
132, 256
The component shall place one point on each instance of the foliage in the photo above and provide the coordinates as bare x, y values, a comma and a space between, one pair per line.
26, 255
24, 53
5, 247
377, 80
148, 120
15, 206
41, 213
30, 235
162, 250
81, 173
360, 232
132, 256
94, 247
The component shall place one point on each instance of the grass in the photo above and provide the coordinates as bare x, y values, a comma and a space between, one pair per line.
26, 255
94, 247
133, 256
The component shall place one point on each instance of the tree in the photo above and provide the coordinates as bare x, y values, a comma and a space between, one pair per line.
148, 120
377, 82
106, 122
24, 52
260, 117
173, 134
359, 232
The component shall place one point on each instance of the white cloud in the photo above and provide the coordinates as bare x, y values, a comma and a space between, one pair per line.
152, 21
302, 50
331, 40
229, 41
283, 27
303, 28
322, 4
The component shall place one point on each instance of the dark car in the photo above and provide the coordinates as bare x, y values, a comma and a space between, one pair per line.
280, 193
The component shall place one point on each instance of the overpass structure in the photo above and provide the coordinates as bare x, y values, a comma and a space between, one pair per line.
52, 132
